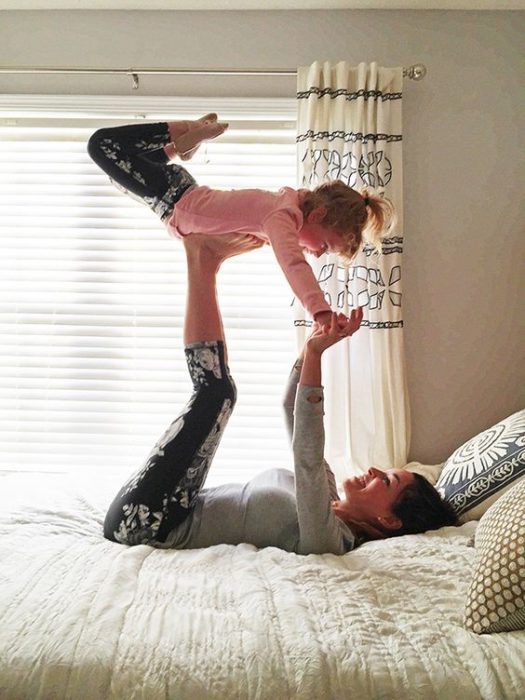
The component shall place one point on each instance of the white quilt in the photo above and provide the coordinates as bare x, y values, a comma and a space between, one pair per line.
86, 619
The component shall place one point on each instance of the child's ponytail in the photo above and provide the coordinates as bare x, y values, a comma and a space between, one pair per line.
358, 216
381, 217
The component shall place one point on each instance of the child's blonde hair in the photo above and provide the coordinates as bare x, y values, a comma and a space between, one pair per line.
357, 216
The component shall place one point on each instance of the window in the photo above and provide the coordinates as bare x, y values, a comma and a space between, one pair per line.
92, 292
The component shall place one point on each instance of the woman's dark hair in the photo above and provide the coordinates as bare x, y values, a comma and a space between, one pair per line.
421, 508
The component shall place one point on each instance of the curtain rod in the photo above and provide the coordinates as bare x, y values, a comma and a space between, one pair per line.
415, 72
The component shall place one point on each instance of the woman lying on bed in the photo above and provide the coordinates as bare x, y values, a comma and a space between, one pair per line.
165, 504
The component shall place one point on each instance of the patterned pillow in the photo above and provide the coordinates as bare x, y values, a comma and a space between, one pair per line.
482, 469
496, 597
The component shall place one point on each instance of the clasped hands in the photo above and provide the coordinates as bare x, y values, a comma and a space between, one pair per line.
336, 327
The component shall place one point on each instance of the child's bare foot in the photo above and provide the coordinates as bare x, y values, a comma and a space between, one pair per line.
187, 143
177, 129
217, 248
207, 118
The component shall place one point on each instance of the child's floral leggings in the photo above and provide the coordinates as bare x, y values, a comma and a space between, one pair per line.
162, 494
133, 156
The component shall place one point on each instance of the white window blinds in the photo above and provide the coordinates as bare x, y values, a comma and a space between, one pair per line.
92, 293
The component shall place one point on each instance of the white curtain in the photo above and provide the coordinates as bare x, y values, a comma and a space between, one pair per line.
349, 129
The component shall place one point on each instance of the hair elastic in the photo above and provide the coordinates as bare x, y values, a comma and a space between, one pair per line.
366, 201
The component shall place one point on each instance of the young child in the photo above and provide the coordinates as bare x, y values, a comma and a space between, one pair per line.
333, 217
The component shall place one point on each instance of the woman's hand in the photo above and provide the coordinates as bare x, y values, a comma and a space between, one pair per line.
340, 326
323, 337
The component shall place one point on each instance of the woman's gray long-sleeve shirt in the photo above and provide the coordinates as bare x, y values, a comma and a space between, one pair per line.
278, 508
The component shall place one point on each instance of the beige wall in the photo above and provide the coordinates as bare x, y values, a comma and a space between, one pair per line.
464, 181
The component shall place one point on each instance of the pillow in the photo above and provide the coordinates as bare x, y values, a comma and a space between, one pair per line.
496, 597
431, 472
481, 470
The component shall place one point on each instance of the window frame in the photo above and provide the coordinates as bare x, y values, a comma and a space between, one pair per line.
251, 115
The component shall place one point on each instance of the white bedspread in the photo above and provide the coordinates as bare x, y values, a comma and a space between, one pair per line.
86, 619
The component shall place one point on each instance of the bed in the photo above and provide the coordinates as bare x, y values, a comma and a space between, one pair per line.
83, 618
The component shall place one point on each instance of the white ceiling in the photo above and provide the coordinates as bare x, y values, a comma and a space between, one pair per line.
262, 4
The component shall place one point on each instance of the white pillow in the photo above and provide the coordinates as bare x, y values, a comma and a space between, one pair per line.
431, 472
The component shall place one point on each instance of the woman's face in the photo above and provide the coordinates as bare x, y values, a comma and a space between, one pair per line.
370, 498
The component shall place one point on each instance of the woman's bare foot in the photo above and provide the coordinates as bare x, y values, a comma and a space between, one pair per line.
217, 248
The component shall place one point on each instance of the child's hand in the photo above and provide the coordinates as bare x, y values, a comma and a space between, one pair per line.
323, 318
340, 327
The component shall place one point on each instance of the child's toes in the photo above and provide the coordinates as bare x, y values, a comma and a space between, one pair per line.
208, 118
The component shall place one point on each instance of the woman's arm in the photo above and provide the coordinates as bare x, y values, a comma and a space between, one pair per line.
312, 372
319, 529
290, 394
312, 376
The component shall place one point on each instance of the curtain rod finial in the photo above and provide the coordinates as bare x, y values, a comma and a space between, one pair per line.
416, 72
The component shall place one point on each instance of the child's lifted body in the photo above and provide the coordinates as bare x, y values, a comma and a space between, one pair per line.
333, 217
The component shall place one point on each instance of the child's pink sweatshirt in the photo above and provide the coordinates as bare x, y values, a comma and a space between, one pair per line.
275, 217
